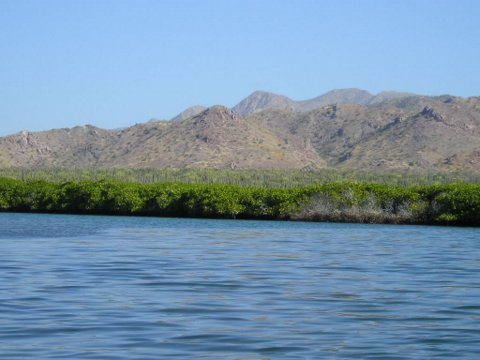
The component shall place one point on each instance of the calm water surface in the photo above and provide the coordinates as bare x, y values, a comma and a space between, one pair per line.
84, 287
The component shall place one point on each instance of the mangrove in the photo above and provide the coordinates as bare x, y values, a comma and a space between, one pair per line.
341, 201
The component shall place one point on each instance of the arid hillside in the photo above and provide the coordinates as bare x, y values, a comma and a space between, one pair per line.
344, 128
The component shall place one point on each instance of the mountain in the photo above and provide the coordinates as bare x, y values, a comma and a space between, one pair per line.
217, 137
81, 146
260, 100
386, 96
387, 131
340, 96
442, 135
189, 112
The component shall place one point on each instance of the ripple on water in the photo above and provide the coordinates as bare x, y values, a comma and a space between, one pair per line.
121, 288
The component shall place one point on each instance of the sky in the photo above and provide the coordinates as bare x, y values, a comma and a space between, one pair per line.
114, 63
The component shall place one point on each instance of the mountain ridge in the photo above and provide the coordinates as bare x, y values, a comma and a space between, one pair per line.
262, 100
387, 131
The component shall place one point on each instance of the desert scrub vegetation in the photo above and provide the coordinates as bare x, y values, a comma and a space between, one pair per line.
345, 201
274, 178
364, 203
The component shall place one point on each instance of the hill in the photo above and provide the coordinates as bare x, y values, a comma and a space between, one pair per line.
387, 131
261, 100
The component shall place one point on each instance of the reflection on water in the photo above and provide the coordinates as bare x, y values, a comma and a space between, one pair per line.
125, 287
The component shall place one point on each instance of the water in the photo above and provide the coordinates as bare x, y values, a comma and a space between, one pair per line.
122, 287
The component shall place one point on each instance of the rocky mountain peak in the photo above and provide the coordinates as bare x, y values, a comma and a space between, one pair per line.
261, 100
430, 113
216, 115
23, 138
219, 110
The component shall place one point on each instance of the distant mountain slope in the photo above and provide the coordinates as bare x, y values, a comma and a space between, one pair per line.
217, 137
341, 96
386, 96
189, 112
387, 131
81, 146
260, 100
439, 136
334, 129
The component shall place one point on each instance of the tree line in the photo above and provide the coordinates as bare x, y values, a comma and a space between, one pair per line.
344, 201
277, 178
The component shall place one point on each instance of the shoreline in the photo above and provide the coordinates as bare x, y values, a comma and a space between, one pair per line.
341, 202
297, 220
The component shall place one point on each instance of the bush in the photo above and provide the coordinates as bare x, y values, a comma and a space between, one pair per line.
456, 204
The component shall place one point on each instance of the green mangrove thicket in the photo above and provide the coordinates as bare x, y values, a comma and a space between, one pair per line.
347, 201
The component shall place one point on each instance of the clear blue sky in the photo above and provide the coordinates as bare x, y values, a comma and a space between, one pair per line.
112, 63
